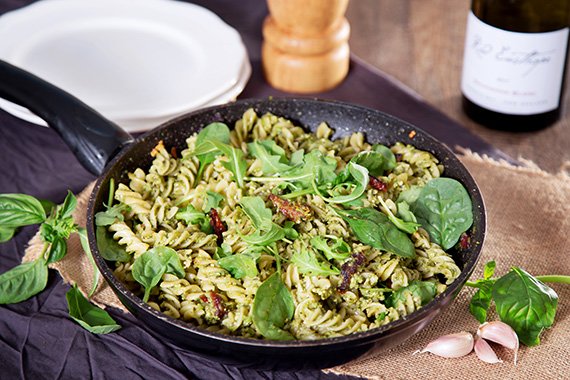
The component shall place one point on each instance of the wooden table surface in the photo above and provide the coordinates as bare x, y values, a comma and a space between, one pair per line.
420, 42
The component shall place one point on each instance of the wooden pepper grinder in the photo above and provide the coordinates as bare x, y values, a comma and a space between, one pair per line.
305, 47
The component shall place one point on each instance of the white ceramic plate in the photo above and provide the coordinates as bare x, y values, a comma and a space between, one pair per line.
130, 60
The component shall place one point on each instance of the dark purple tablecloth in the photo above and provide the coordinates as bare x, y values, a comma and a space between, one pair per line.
37, 338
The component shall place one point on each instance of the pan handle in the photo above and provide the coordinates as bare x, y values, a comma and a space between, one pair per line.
93, 139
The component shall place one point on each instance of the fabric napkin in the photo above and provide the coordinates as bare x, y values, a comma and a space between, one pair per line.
528, 225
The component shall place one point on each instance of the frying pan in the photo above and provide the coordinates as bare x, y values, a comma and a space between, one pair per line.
109, 152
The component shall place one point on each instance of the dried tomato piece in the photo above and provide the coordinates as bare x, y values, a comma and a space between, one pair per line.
173, 152
292, 211
204, 298
218, 303
377, 184
218, 226
464, 241
348, 269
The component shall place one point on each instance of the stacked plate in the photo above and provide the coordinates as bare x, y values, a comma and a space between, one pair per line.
139, 63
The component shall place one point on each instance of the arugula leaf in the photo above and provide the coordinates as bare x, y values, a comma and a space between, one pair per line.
18, 210
111, 215
409, 227
109, 248
526, 304
273, 307
190, 215
422, 291
297, 158
289, 230
239, 266
224, 250
271, 155
236, 159
260, 216
339, 250
307, 262
276, 233
377, 161
23, 281
360, 176
444, 209
90, 317
149, 267
206, 153
409, 196
213, 200
374, 228
316, 167
405, 213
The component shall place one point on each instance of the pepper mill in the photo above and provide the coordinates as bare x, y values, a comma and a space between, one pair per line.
305, 47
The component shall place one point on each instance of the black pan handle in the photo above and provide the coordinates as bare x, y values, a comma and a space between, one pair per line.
93, 139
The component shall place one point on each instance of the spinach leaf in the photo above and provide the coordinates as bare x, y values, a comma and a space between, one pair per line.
260, 216
190, 215
239, 266
422, 291
6, 233
273, 307
409, 227
212, 200
481, 300
526, 304
149, 267
360, 176
109, 248
17, 210
339, 250
307, 262
444, 209
90, 317
271, 155
374, 228
23, 281
377, 161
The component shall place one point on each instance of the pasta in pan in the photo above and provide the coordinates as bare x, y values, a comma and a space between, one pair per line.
322, 231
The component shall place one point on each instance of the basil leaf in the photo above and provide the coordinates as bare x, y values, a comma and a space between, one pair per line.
47, 205
377, 161
90, 317
360, 175
17, 210
109, 248
307, 262
444, 209
374, 228
422, 291
239, 265
271, 155
273, 307
66, 208
6, 233
23, 281
212, 200
489, 269
57, 250
340, 250
149, 267
481, 300
526, 304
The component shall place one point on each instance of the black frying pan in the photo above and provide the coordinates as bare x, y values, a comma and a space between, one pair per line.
106, 150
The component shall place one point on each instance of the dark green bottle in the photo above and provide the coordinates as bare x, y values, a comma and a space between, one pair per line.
515, 62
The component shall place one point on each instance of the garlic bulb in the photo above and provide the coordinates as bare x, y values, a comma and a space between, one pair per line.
450, 346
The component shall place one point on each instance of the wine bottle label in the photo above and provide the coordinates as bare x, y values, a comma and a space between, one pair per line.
511, 72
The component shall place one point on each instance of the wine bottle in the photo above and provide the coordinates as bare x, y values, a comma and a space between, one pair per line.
514, 62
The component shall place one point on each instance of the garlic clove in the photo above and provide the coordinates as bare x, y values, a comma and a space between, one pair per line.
450, 346
484, 351
501, 333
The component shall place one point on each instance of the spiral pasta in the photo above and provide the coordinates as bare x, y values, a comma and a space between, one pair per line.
326, 303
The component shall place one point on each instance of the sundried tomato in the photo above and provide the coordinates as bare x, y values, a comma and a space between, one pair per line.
292, 211
348, 269
218, 303
377, 184
217, 225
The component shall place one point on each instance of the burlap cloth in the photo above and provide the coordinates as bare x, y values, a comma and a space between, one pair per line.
528, 226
